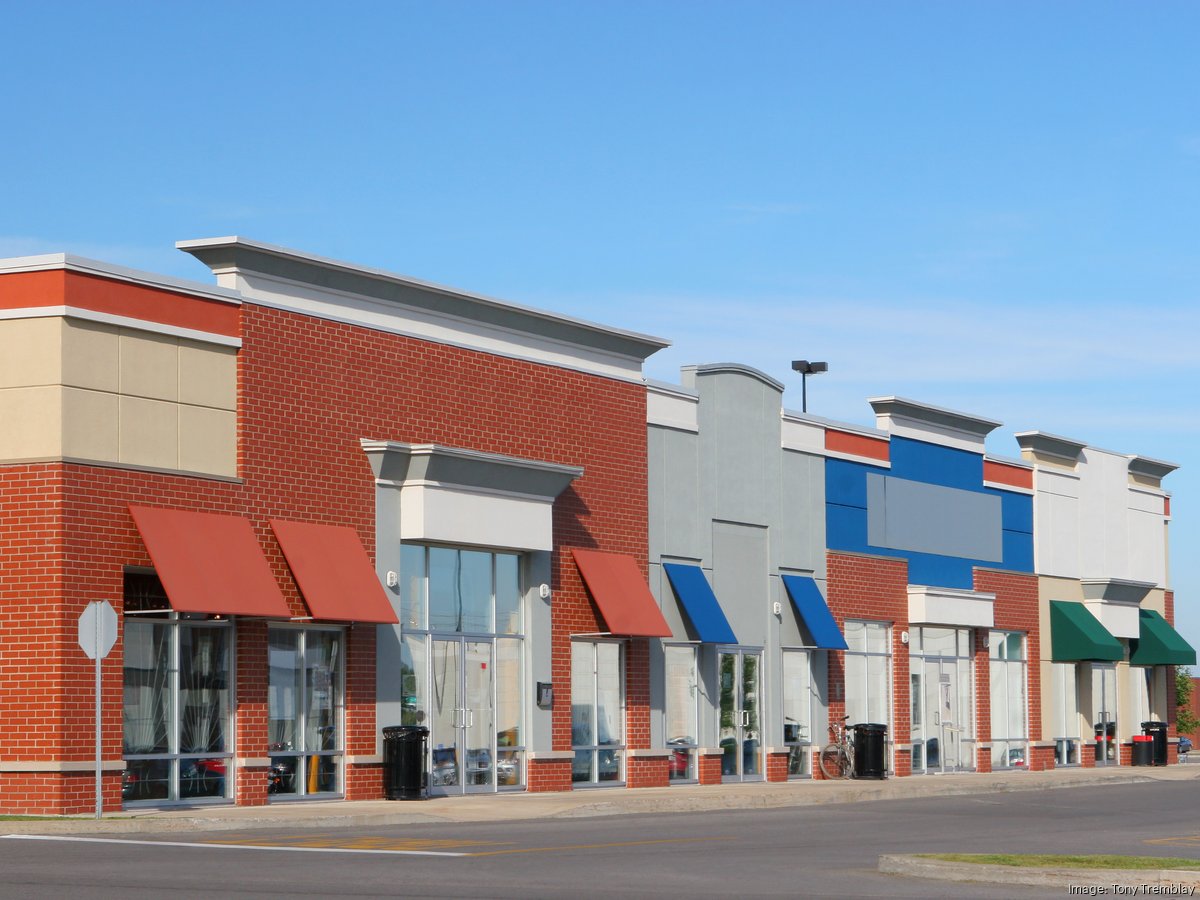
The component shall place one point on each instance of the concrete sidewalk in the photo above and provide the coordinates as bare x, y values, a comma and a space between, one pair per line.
506, 807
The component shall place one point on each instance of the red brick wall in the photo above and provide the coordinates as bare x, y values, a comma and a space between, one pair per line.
308, 391
777, 766
548, 775
1015, 609
709, 768
874, 589
647, 771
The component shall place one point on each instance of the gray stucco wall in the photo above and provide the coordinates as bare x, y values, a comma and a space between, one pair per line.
729, 498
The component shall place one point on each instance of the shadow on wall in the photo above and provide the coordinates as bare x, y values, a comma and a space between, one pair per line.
571, 514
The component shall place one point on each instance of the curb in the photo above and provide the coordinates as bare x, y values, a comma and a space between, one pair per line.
943, 870
519, 806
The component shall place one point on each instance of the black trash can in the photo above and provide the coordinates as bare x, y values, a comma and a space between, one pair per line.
870, 750
1143, 750
404, 775
1158, 731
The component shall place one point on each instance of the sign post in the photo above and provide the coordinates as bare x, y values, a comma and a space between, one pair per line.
97, 634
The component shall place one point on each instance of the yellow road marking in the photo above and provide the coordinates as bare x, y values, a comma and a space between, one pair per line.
597, 846
335, 842
1183, 839
384, 844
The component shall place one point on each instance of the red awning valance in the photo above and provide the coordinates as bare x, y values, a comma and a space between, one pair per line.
620, 590
334, 573
209, 563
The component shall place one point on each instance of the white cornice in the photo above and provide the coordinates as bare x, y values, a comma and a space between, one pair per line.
322, 286
90, 315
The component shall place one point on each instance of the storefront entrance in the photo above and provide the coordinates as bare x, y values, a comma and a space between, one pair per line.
740, 724
1104, 714
940, 666
463, 722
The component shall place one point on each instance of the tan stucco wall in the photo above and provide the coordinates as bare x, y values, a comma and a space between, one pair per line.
87, 391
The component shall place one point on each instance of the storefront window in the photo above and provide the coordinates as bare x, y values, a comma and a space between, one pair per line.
304, 721
681, 711
797, 711
868, 672
177, 705
1065, 719
1010, 730
597, 712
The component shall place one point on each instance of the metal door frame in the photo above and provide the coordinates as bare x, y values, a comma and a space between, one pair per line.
741, 714
463, 719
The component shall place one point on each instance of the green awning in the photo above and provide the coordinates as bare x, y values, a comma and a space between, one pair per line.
1159, 644
1075, 634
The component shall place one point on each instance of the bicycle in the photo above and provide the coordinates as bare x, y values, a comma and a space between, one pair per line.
836, 760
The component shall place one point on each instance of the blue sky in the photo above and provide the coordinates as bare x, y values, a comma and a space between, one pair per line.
988, 206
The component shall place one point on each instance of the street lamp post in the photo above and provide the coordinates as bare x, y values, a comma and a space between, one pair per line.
806, 368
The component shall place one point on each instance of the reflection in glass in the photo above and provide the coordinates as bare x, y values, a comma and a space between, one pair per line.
177, 698
445, 603
750, 738
508, 594
283, 694
460, 590
581, 766
797, 706
146, 712
203, 690
508, 693
446, 713
508, 768
480, 721
1007, 690
1066, 713
413, 690
608, 694
412, 586
146, 779
681, 712
304, 710
596, 711
582, 694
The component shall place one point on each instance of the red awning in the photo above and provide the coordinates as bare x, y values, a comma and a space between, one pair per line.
621, 592
210, 563
334, 573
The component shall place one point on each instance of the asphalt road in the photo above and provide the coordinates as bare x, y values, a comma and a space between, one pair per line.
810, 851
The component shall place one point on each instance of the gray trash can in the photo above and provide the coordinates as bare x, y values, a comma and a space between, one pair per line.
1158, 731
1143, 750
404, 775
870, 750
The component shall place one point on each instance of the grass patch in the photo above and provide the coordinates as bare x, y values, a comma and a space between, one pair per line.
1059, 861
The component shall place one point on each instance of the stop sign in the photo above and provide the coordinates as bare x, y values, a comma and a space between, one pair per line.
97, 629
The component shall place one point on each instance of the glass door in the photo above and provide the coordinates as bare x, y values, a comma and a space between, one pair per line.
942, 723
462, 730
940, 682
740, 722
1104, 713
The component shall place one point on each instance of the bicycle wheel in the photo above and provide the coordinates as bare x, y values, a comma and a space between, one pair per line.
834, 762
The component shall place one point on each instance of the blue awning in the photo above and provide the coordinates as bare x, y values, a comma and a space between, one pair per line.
700, 604
813, 609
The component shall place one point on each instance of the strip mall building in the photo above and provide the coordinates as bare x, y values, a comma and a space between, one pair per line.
325, 499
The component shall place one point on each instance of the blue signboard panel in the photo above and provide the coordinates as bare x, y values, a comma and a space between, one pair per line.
931, 509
